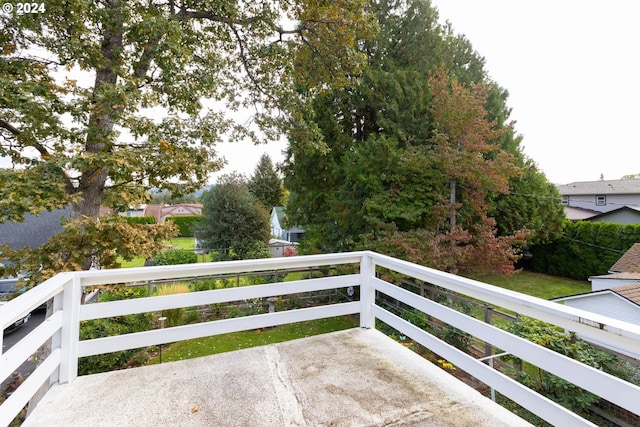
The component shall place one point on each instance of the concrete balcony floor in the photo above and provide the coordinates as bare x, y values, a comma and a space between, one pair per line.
356, 377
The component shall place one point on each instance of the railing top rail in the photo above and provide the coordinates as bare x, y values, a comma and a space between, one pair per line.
29, 301
525, 304
100, 277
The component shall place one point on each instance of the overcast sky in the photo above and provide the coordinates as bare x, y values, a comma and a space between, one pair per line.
572, 69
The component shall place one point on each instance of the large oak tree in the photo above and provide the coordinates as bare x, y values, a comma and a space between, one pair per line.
101, 100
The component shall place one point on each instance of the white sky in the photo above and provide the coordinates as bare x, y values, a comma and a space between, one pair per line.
572, 69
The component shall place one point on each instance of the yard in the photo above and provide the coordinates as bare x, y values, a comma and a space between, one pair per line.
535, 284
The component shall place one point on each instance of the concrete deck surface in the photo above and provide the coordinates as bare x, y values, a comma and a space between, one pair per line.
356, 377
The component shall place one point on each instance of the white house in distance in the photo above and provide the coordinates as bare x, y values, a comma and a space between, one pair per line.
615, 201
619, 302
280, 229
615, 295
283, 237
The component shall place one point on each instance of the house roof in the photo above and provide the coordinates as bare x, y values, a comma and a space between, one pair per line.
630, 293
578, 214
35, 230
628, 208
618, 186
195, 208
153, 210
629, 262
618, 276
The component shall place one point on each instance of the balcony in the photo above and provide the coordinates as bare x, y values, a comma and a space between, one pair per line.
353, 377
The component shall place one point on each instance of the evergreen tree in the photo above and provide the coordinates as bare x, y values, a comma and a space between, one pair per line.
265, 183
232, 219
386, 183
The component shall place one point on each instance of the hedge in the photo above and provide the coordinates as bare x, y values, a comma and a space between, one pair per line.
584, 249
134, 220
185, 224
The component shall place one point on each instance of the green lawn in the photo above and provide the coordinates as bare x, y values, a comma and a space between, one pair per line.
238, 340
185, 243
537, 284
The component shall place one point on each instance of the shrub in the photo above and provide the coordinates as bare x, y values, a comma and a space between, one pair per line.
173, 315
134, 220
176, 256
100, 328
584, 249
185, 224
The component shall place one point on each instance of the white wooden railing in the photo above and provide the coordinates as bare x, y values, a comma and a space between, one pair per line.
62, 328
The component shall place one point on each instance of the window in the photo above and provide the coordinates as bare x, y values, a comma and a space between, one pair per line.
565, 200
601, 200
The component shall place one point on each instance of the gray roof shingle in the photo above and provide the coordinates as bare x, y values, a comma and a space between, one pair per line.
629, 262
34, 230
616, 186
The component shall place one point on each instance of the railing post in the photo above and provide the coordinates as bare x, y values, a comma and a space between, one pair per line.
70, 329
367, 292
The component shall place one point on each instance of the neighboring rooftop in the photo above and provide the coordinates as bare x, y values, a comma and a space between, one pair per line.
579, 214
35, 230
630, 292
354, 377
629, 262
618, 186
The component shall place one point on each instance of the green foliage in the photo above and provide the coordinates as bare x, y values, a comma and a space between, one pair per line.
265, 183
78, 248
123, 294
232, 219
173, 316
77, 86
135, 220
100, 328
186, 224
257, 250
533, 204
176, 256
398, 140
584, 249
568, 344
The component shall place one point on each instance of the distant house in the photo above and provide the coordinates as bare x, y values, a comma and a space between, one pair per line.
33, 232
601, 196
624, 215
615, 295
625, 271
579, 214
280, 229
162, 212
619, 302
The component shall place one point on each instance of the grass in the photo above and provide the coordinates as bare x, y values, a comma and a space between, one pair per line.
185, 243
238, 340
537, 284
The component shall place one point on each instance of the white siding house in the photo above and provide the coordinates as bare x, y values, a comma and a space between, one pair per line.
619, 302
280, 229
601, 196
